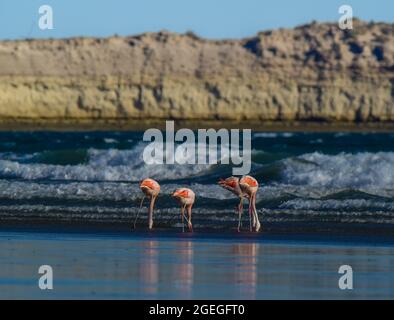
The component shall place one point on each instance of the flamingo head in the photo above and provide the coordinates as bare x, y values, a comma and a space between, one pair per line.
180, 193
184, 196
231, 183
149, 187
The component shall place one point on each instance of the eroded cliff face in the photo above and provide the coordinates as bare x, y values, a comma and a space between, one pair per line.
312, 72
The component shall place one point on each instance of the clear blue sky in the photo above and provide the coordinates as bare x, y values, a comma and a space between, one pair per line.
208, 18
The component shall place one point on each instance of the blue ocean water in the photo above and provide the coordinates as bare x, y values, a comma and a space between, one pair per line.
316, 181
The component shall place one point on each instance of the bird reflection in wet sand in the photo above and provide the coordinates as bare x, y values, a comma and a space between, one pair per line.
183, 272
245, 274
149, 268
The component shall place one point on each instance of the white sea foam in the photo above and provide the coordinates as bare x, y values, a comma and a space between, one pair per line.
331, 204
102, 191
310, 176
110, 140
272, 135
341, 134
108, 165
361, 171
103, 165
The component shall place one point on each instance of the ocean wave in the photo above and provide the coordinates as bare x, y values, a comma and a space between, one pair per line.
101, 165
348, 204
110, 164
313, 175
306, 178
362, 171
100, 192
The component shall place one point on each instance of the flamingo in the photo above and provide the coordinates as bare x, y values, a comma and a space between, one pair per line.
232, 184
186, 198
246, 187
151, 189
249, 186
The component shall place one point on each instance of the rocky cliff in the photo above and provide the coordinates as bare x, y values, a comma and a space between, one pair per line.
315, 72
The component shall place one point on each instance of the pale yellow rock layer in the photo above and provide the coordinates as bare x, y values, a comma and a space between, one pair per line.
314, 72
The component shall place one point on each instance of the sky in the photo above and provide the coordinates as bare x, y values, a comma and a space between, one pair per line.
214, 19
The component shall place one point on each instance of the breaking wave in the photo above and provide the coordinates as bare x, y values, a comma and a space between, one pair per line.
364, 171
101, 165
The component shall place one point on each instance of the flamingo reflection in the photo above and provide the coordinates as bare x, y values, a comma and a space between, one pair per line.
183, 272
149, 268
245, 274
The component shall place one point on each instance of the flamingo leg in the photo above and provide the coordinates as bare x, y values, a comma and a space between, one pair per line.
150, 213
189, 220
251, 220
252, 210
182, 217
240, 210
139, 210
258, 225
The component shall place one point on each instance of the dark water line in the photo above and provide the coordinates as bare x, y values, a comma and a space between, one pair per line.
163, 234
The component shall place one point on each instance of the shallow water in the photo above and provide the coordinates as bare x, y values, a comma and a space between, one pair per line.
155, 266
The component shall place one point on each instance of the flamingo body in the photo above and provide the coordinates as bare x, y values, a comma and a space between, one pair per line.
246, 187
151, 189
185, 198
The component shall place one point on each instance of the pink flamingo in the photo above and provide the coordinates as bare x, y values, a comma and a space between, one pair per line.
249, 186
151, 189
246, 187
232, 184
186, 198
